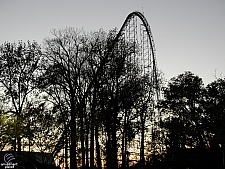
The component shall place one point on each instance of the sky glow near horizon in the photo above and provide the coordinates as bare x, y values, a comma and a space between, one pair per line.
189, 35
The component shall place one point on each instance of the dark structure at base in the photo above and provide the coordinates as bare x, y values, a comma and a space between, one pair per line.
27, 160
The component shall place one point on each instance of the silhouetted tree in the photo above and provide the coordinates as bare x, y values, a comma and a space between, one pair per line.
74, 63
57, 98
65, 61
92, 75
19, 64
215, 106
8, 123
183, 106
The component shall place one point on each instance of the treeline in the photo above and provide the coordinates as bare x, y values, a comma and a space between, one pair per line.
194, 114
82, 97
193, 121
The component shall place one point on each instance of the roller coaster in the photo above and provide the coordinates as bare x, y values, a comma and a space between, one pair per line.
136, 31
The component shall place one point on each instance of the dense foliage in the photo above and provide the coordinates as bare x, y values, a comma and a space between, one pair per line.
193, 113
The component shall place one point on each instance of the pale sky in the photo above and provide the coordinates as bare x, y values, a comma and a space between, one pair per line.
189, 34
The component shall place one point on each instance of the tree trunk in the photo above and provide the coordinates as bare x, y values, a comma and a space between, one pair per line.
66, 151
123, 151
114, 141
108, 151
19, 144
73, 161
92, 147
114, 147
97, 148
86, 143
142, 157
114, 128
124, 140
82, 140
93, 122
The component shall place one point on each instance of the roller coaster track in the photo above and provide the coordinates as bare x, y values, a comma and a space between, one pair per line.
147, 26
136, 30
147, 59
146, 44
